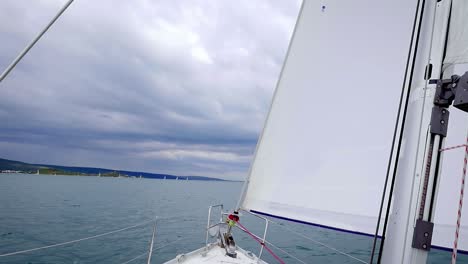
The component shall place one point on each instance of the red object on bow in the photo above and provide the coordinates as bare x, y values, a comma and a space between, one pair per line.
234, 217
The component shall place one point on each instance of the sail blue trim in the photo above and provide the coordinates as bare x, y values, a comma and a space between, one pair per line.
463, 252
315, 224
459, 251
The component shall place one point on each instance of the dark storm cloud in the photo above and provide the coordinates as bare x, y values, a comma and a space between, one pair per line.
165, 86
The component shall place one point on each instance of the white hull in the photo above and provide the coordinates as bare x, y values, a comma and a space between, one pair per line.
215, 254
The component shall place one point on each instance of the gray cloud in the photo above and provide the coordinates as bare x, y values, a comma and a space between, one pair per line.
163, 86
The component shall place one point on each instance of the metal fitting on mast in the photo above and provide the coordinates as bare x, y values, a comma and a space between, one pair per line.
453, 91
448, 91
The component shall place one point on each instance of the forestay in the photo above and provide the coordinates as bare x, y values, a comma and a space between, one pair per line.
324, 150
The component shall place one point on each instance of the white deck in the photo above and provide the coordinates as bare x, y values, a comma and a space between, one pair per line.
215, 254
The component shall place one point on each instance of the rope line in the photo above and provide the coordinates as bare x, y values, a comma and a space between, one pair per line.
319, 243
74, 241
261, 243
454, 147
460, 203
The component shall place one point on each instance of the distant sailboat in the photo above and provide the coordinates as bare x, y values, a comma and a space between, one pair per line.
37, 172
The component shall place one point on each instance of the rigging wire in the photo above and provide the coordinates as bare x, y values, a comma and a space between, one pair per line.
74, 241
30, 45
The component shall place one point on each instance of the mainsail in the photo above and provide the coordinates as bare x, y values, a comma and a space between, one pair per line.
324, 150
325, 146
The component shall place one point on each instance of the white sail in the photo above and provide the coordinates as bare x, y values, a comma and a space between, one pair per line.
324, 150
457, 47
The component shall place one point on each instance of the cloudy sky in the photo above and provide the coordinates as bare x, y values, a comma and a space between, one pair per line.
177, 87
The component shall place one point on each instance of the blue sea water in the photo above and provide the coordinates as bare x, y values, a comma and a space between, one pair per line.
39, 210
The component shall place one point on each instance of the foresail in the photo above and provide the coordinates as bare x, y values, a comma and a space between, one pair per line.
324, 150
457, 47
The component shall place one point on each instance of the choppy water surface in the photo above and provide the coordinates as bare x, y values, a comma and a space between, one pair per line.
39, 210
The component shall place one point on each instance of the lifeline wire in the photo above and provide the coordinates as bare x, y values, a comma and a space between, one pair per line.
146, 253
135, 258
150, 251
278, 248
74, 241
285, 252
318, 242
261, 243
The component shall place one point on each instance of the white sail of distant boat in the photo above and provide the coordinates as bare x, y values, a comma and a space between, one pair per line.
99, 175
322, 158
177, 178
37, 172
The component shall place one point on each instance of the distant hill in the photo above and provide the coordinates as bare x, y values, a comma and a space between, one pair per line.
17, 166
13, 165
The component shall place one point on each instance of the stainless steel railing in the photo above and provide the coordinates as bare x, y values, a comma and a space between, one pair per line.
223, 214
264, 231
208, 225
